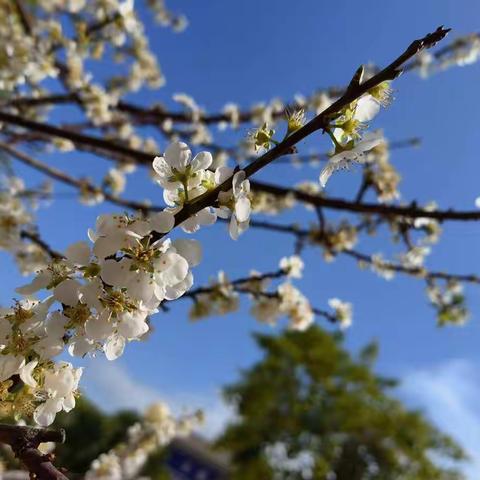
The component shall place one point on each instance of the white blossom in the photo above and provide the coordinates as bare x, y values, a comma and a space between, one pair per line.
345, 158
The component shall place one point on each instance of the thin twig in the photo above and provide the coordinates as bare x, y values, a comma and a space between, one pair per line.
81, 185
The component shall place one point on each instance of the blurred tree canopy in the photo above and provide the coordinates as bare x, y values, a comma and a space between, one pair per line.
309, 409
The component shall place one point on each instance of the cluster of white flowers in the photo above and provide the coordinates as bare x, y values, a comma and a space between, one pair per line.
287, 301
156, 429
414, 257
21, 57
268, 306
219, 300
346, 133
381, 174
380, 266
463, 51
342, 311
334, 238
185, 179
104, 301
100, 295
116, 30
16, 218
293, 266
166, 18
449, 301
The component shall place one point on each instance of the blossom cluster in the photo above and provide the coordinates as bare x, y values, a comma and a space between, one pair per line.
342, 312
100, 295
268, 305
465, 50
17, 207
185, 179
449, 301
346, 131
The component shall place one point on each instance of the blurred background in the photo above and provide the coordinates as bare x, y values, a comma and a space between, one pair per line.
251, 51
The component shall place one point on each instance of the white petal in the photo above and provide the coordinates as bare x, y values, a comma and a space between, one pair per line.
67, 292
190, 250
56, 324
38, 283
140, 227
201, 161
92, 235
79, 347
206, 217
140, 285
90, 293
10, 365
178, 155
173, 268
78, 253
44, 414
233, 228
238, 178
132, 326
242, 209
116, 273
366, 109
26, 373
49, 347
371, 140
176, 291
69, 402
222, 173
114, 347
223, 212
162, 222
109, 245
98, 328
161, 167
326, 173
190, 225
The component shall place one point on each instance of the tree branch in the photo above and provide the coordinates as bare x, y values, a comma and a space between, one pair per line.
320, 122
298, 232
37, 240
411, 211
83, 184
238, 286
24, 442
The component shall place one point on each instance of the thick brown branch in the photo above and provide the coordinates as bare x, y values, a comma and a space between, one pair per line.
78, 139
24, 442
411, 211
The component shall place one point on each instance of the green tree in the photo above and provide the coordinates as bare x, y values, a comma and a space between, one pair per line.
311, 399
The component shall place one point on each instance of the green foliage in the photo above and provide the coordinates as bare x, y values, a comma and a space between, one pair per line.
90, 432
310, 395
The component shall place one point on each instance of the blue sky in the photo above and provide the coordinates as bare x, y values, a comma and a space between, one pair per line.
250, 51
